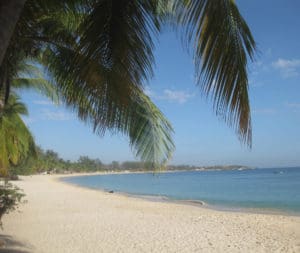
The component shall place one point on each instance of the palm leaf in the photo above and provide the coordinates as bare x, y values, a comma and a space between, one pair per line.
150, 132
16, 141
98, 99
118, 34
14, 107
222, 41
39, 84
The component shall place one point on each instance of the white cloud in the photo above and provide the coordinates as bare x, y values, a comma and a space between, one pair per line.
43, 102
287, 68
258, 63
254, 83
177, 96
259, 67
28, 120
264, 111
56, 115
257, 70
148, 91
269, 52
293, 105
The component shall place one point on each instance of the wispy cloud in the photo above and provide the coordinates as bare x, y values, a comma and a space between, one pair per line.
293, 105
257, 70
255, 83
28, 120
269, 52
177, 96
264, 111
148, 91
287, 68
56, 115
43, 102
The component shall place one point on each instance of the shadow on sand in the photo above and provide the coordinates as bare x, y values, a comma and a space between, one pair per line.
9, 245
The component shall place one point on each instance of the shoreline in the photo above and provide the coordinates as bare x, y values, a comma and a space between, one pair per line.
112, 172
60, 217
190, 202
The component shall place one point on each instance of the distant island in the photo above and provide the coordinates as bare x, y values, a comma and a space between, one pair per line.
49, 162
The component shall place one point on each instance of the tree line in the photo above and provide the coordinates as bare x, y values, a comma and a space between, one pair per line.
49, 162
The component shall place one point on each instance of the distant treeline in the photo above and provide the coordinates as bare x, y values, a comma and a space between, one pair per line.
49, 161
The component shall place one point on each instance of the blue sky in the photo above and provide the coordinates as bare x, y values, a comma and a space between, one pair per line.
200, 137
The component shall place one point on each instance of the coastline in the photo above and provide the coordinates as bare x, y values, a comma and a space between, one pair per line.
60, 217
162, 198
111, 172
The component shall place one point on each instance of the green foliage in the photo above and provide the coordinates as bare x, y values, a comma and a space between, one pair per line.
132, 165
221, 42
99, 54
10, 198
16, 142
100, 76
115, 165
49, 162
86, 163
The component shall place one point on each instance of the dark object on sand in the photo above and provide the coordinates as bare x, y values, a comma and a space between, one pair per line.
110, 191
13, 177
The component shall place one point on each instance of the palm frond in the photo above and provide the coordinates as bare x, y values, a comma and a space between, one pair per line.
222, 43
150, 132
25, 68
16, 141
98, 64
39, 84
118, 34
14, 107
98, 99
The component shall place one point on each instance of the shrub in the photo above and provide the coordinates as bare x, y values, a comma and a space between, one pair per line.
10, 198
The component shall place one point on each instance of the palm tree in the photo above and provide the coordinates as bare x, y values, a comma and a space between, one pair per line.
102, 105
16, 141
98, 53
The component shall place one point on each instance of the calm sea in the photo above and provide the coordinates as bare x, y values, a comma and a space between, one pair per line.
274, 189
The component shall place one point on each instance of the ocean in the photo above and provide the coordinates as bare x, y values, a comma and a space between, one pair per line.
271, 190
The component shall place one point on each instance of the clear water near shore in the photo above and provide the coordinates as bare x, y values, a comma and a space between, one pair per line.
274, 189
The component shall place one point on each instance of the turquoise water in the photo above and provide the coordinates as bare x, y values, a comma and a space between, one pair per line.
276, 189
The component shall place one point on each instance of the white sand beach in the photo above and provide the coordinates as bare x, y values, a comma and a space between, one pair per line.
61, 218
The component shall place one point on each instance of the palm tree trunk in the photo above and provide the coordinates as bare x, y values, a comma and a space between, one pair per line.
10, 11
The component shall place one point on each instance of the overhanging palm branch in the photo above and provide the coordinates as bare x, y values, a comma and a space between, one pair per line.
99, 54
30, 76
39, 84
150, 132
97, 100
102, 82
118, 34
222, 42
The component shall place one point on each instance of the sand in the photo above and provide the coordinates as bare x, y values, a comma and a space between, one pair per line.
63, 218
